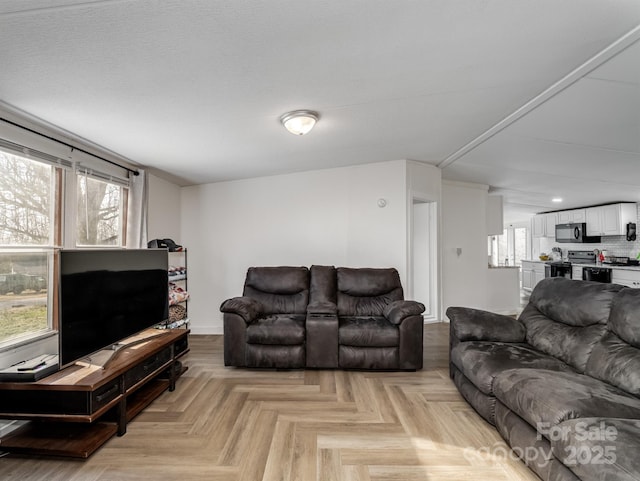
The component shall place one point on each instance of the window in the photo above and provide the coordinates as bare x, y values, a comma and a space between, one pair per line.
28, 233
24, 295
509, 248
27, 190
36, 189
100, 212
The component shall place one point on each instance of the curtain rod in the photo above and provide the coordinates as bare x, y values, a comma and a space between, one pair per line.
133, 171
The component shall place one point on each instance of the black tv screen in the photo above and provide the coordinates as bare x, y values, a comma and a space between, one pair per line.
108, 295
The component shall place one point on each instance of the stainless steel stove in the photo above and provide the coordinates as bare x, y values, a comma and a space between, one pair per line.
581, 257
589, 273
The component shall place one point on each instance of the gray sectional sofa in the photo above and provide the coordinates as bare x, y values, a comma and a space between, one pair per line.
562, 382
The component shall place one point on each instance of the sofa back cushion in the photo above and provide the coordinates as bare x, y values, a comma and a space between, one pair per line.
280, 290
616, 359
566, 318
575, 303
323, 284
366, 291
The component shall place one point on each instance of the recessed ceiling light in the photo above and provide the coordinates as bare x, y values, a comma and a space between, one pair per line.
556, 199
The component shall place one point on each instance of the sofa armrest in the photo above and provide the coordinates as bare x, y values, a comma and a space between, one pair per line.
246, 307
322, 308
469, 324
397, 311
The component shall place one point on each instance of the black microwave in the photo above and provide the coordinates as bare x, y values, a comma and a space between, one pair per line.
574, 233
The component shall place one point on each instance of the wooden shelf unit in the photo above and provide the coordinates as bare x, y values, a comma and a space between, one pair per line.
77, 409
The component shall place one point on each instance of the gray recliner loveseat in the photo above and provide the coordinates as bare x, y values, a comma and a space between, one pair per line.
323, 317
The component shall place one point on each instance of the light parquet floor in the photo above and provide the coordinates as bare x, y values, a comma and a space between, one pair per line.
248, 425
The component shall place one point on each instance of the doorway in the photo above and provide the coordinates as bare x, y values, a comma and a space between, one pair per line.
423, 265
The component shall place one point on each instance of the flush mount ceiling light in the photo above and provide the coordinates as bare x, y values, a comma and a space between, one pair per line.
556, 199
299, 122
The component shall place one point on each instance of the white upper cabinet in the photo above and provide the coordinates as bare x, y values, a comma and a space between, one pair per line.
571, 216
544, 225
610, 219
602, 220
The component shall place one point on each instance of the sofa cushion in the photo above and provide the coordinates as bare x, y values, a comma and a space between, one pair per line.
482, 361
574, 303
624, 316
617, 363
280, 329
616, 358
367, 332
280, 290
366, 292
571, 344
599, 449
546, 398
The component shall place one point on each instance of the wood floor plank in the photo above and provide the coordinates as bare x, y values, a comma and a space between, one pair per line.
249, 425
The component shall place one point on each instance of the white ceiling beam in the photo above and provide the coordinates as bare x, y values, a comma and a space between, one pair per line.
594, 62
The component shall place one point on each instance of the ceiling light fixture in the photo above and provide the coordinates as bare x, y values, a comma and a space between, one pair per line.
556, 199
299, 122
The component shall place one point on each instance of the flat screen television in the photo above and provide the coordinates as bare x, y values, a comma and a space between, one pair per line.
107, 295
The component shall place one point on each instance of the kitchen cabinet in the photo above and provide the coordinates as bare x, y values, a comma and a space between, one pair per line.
551, 220
544, 225
626, 277
574, 215
538, 226
532, 273
610, 219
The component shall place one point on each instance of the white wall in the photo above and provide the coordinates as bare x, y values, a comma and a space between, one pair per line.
464, 276
318, 217
164, 217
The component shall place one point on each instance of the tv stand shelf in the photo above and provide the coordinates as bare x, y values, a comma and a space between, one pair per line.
77, 409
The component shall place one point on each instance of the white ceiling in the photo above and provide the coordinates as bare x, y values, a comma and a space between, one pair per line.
195, 88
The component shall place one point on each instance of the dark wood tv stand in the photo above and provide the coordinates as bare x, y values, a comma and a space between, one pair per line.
76, 410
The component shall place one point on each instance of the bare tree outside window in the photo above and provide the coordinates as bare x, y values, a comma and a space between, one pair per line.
99, 212
25, 201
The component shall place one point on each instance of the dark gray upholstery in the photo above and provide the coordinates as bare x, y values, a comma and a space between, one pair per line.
616, 358
378, 329
482, 361
469, 324
600, 449
323, 317
573, 354
266, 326
535, 451
368, 332
542, 396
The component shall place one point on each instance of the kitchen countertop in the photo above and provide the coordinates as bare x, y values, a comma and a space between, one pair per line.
578, 264
608, 266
